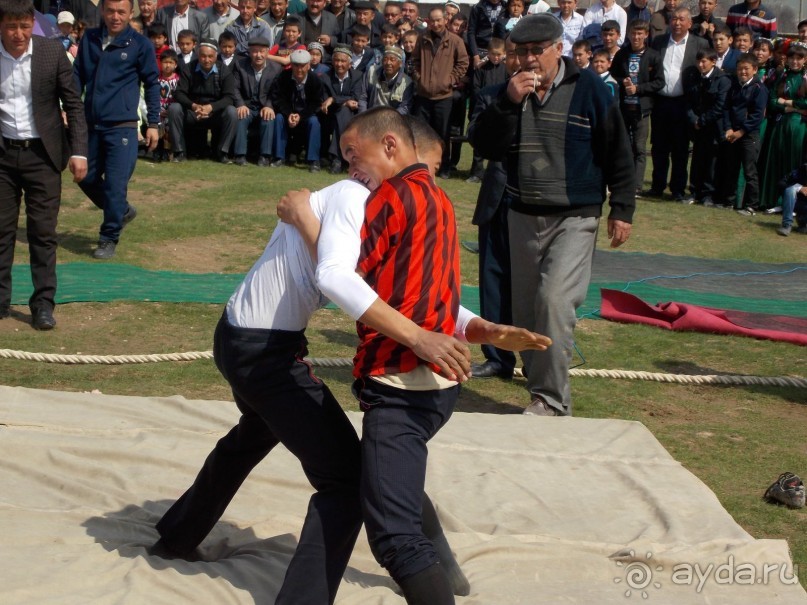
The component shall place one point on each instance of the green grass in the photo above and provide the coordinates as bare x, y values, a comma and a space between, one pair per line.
203, 217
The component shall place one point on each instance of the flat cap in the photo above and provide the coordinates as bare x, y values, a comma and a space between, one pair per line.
300, 57
537, 28
259, 41
395, 51
345, 50
363, 5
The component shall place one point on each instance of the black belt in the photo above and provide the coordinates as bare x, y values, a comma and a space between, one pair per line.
20, 143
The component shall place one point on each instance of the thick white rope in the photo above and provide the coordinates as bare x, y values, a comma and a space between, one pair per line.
708, 379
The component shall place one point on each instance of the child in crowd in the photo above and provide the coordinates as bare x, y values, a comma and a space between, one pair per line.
227, 47
610, 34
722, 43
390, 36
572, 23
169, 78
706, 98
743, 39
784, 147
363, 54
492, 72
186, 46
458, 25
281, 52
740, 140
794, 201
318, 68
601, 64
581, 53
404, 26
159, 39
409, 41
763, 51
66, 22
704, 23
802, 29
640, 73
505, 23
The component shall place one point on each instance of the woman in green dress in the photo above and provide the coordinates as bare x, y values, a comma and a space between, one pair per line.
784, 145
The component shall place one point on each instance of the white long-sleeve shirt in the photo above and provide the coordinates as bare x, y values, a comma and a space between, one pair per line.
284, 287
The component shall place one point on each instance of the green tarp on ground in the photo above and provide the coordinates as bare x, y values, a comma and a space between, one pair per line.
762, 288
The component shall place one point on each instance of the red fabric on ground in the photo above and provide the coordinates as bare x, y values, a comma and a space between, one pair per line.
626, 308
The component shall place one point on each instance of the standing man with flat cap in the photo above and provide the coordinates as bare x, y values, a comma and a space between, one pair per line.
35, 76
568, 145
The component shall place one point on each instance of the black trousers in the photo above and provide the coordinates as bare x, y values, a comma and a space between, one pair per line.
437, 114
30, 172
704, 163
495, 303
669, 138
396, 427
745, 153
281, 401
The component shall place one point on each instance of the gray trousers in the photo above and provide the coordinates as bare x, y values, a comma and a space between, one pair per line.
551, 269
222, 122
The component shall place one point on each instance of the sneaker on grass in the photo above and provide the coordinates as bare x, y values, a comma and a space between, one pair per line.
788, 489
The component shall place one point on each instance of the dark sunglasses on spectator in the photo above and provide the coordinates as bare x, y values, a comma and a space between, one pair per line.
537, 51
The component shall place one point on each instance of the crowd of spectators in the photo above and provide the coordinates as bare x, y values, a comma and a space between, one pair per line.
727, 90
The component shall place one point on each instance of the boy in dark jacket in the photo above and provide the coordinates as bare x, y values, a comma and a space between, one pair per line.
706, 97
491, 73
742, 117
639, 71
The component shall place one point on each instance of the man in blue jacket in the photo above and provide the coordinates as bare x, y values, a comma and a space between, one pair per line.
568, 145
113, 61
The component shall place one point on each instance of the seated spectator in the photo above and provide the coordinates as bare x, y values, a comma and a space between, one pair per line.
343, 89
204, 101
581, 54
281, 52
253, 79
794, 201
169, 79
601, 64
572, 23
156, 33
297, 98
706, 99
722, 43
318, 68
387, 84
227, 48
248, 26
186, 46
